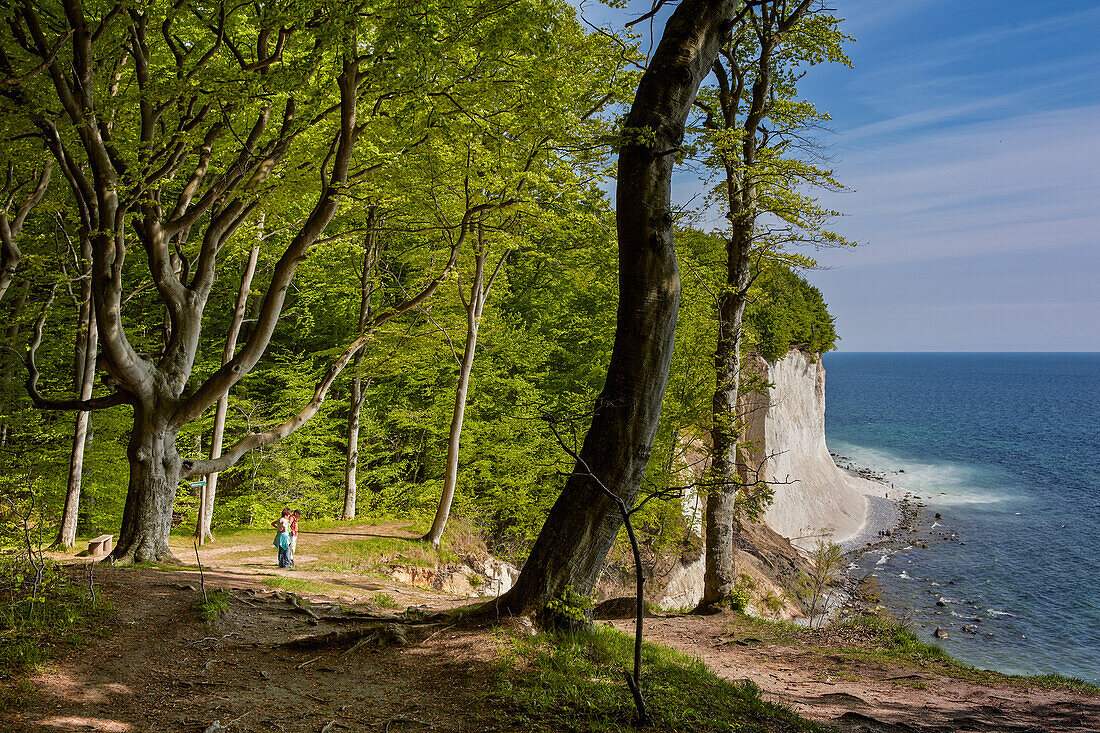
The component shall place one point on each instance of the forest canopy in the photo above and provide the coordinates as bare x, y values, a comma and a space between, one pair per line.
268, 219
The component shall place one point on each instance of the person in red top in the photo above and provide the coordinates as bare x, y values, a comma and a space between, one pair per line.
293, 534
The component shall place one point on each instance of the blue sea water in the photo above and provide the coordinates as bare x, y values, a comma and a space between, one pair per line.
1006, 447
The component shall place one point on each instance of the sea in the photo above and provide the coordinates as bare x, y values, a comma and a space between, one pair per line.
1005, 447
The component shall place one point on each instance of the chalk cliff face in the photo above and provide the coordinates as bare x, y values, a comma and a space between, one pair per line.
813, 499
785, 431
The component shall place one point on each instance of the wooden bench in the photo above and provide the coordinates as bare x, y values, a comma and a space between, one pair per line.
101, 545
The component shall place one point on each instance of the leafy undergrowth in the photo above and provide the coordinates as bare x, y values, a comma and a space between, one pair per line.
35, 623
576, 681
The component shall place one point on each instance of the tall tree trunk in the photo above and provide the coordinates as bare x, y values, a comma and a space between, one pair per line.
358, 392
10, 362
88, 341
770, 21
718, 575
572, 547
351, 464
210, 488
151, 493
479, 293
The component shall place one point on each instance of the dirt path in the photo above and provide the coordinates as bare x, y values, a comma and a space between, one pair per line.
160, 667
869, 696
315, 547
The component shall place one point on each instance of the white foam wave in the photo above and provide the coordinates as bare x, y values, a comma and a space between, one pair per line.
995, 612
943, 483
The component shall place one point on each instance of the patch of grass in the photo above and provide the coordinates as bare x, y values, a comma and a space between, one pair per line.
216, 604
575, 681
304, 586
360, 555
1061, 681
894, 640
384, 600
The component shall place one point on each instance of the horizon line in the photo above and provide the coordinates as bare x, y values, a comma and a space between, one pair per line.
959, 351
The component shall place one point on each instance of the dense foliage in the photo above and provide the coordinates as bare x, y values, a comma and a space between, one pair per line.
504, 113
788, 311
545, 342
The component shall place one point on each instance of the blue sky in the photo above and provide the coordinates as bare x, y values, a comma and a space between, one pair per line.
969, 133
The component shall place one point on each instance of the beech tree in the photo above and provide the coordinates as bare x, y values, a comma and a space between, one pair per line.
756, 131
209, 489
173, 119
176, 124
474, 307
582, 525
86, 351
367, 286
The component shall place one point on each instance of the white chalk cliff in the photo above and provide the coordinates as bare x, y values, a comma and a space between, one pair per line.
785, 435
784, 444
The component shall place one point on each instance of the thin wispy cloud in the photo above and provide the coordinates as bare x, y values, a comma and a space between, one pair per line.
1022, 183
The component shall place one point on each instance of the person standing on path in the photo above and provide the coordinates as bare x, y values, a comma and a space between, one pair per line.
282, 538
294, 534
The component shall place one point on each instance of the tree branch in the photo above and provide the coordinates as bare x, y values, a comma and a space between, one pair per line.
118, 397
11, 81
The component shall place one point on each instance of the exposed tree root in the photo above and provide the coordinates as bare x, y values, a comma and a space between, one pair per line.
375, 633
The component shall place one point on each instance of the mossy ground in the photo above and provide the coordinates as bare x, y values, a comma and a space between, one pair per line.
216, 603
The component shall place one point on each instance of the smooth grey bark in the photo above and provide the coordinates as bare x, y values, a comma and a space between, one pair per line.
86, 352
358, 392
151, 492
475, 306
572, 546
770, 22
210, 489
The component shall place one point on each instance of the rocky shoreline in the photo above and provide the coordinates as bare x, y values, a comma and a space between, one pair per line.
894, 523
